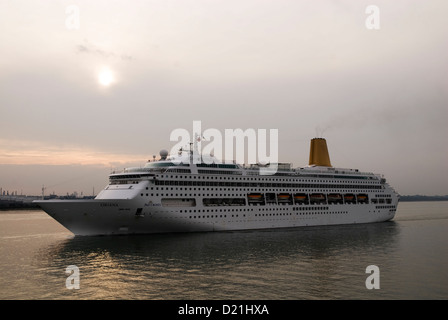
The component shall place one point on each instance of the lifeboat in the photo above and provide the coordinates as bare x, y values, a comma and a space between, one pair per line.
255, 197
362, 198
284, 197
301, 198
334, 197
349, 198
317, 197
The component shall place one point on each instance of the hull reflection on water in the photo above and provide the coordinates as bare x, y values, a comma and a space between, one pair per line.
225, 265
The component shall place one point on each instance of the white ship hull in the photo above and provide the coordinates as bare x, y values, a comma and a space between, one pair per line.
183, 196
111, 217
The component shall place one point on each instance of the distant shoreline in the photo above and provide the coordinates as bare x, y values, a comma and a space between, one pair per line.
26, 202
17, 206
423, 198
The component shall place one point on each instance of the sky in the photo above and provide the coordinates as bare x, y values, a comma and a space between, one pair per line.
88, 87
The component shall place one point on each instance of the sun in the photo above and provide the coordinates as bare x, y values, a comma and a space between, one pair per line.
106, 77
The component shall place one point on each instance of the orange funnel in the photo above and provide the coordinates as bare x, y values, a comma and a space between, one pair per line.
319, 153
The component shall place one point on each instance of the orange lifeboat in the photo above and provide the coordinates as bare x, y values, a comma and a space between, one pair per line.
349, 198
334, 197
284, 197
317, 197
255, 197
362, 198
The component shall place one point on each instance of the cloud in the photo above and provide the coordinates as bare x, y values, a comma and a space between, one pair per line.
21, 152
89, 48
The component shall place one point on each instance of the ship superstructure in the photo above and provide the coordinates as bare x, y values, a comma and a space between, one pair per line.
181, 194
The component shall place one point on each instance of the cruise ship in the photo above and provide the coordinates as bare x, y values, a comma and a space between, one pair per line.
177, 194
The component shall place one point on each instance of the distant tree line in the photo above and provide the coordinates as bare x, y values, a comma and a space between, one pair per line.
11, 204
423, 198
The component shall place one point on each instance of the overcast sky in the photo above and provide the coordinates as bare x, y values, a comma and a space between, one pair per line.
306, 68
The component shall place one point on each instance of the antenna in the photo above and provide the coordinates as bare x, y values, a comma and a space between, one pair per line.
43, 191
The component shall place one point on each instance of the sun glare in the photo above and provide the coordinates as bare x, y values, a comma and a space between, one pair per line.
105, 77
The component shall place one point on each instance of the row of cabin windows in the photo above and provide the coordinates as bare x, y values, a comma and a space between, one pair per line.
234, 210
208, 195
228, 189
264, 179
385, 207
269, 214
311, 208
263, 185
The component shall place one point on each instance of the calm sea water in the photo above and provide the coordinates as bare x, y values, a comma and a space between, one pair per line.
305, 263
